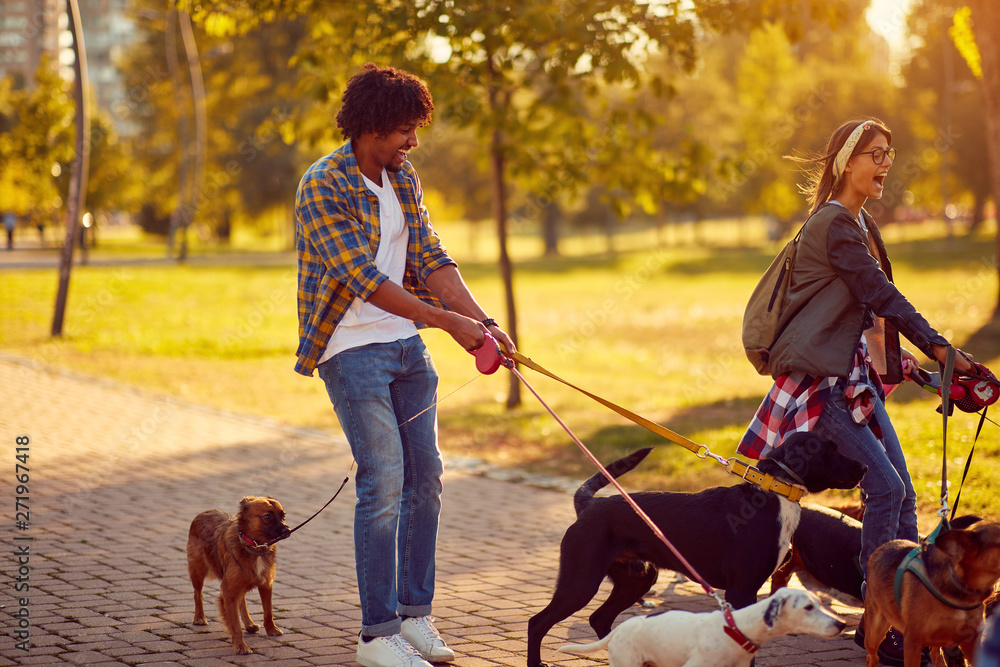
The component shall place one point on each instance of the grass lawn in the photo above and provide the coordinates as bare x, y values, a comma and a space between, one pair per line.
654, 327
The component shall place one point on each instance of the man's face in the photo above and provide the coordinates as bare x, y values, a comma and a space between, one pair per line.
392, 150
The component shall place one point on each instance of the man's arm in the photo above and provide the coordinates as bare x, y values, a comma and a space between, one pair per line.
392, 298
449, 286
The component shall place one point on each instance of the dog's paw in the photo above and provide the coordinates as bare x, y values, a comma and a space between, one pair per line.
199, 621
252, 628
274, 631
243, 650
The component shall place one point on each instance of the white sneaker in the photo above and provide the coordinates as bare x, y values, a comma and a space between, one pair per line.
391, 651
423, 636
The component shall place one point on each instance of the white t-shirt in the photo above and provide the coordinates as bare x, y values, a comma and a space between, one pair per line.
364, 323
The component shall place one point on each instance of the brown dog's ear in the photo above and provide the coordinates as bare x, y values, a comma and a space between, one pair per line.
987, 534
956, 542
245, 501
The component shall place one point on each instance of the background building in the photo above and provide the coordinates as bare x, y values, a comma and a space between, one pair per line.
28, 28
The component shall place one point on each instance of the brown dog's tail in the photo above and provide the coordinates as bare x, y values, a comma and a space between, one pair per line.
586, 492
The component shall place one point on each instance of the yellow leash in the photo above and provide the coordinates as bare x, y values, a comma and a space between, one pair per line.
733, 465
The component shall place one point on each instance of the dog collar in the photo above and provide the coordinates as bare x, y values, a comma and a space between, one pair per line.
736, 635
765, 481
914, 564
250, 544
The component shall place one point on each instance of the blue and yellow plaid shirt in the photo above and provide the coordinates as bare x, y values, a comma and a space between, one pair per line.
337, 233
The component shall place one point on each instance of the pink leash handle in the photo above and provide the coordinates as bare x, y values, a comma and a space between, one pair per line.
489, 358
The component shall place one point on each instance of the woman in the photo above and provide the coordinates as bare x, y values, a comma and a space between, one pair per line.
830, 361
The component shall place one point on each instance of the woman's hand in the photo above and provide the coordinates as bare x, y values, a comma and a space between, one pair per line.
963, 361
910, 363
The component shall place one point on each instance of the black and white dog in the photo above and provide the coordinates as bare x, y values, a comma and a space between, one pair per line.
735, 537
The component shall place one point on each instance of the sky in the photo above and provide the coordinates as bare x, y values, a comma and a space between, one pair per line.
888, 18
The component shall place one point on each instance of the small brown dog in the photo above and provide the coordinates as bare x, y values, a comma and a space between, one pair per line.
231, 549
962, 564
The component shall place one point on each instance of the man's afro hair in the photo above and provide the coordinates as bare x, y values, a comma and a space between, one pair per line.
380, 99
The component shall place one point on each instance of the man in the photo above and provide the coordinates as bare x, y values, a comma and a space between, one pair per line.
372, 269
10, 224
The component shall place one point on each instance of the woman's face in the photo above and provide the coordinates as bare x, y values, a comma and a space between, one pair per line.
863, 175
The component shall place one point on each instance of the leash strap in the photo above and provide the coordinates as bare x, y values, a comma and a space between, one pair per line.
731, 629
733, 465
947, 372
649, 425
344, 483
968, 462
914, 564
289, 533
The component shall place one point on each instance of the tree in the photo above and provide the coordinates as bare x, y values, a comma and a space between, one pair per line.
250, 91
522, 73
36, 140
944, 119
986, 24
77, 197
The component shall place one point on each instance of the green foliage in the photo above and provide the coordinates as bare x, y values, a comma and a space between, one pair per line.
945, 119
36, 138
252, 164
37, 150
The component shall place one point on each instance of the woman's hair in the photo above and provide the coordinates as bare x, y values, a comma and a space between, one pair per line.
821, 185
380, 99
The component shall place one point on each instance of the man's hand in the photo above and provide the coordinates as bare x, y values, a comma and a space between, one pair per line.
506, 342
466, 331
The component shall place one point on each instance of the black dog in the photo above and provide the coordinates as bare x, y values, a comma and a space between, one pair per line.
734, 536
827, 546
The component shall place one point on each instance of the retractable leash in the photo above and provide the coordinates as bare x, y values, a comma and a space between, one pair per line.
489, 358
969, 392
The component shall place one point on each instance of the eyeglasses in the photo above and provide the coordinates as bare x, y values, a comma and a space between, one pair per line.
878, 154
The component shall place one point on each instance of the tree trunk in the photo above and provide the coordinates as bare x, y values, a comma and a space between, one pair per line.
550, 222
183, 140
200, 122
986, 25
77, 197
978, 212
500, 215
506, 271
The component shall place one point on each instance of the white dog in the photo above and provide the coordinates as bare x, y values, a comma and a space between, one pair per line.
686, 639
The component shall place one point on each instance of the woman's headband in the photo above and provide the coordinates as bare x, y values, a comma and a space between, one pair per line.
840, 163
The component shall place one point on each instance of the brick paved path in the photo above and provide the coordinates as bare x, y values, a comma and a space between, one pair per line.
116, 476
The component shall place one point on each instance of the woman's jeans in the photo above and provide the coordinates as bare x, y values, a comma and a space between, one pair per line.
375, 389
890, 500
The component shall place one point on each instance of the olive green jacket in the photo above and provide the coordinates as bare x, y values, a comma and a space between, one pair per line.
835, 282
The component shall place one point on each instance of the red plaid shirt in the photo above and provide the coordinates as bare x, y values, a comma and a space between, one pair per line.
797, 400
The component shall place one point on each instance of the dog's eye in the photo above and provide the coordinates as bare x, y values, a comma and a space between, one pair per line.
810, 607
267, 517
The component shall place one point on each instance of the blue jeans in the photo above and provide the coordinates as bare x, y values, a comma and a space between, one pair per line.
890, 500
374, 389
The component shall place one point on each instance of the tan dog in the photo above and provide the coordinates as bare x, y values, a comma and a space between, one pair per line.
231, 550
962, 565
